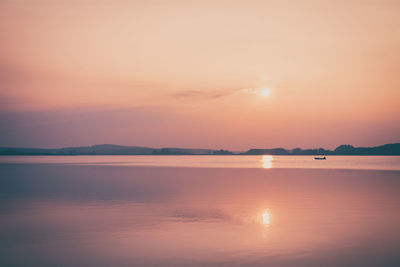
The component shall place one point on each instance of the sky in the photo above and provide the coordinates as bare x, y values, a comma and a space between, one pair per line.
204, 74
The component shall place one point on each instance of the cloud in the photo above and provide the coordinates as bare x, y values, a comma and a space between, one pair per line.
199, 215
202, 94
208, 94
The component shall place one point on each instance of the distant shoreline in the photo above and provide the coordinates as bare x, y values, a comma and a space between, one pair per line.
150, 155
116, 150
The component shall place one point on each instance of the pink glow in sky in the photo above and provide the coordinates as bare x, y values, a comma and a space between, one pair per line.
192, 73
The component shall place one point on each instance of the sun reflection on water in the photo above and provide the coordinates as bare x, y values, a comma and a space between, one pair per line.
267, 161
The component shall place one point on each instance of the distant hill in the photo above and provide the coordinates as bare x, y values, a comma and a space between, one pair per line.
384, 150
107, 149
388, 149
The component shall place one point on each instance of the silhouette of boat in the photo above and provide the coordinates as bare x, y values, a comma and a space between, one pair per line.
320, 158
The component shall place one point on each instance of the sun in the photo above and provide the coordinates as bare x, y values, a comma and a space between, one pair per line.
266, 218
264, 92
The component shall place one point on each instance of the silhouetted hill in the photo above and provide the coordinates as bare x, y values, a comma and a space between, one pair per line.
271, 151
388, 149
108, 149
384, 150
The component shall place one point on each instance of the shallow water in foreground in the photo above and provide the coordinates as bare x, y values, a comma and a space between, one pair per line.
102, 215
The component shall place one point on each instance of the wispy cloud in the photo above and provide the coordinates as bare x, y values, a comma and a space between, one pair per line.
215, 94
202, 94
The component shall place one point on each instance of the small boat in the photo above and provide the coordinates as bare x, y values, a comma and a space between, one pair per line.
320, 158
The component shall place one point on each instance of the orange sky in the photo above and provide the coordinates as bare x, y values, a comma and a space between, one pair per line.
187, 73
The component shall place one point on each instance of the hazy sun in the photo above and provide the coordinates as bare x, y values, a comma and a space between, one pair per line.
265, 217
264, 92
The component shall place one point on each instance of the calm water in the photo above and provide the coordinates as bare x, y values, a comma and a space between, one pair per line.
185, 211
266, 162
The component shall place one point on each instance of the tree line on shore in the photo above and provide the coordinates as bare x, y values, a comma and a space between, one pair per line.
388, 149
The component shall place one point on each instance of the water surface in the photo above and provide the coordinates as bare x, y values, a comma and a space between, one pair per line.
58, 214
233, 161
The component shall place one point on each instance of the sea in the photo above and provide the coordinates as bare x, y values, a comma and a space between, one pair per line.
199, 211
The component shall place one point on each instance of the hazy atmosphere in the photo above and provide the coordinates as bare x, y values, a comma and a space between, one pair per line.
211, 74
200, 133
